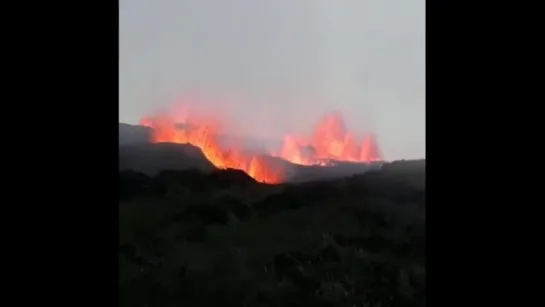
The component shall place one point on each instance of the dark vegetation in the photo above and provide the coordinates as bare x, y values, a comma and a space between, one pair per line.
193, 237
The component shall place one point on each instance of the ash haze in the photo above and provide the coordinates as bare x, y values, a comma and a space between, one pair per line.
276, 66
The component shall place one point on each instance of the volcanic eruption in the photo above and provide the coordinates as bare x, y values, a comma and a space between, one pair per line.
329, 142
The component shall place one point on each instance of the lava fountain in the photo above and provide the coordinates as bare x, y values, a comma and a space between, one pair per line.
330, 140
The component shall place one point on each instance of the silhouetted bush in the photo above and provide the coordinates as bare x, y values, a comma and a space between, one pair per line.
191, 178
277, 203
242, 211
230, 177
205, 213
134, 184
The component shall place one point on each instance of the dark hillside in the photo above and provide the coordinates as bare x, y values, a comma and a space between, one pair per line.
150, 158
218, 238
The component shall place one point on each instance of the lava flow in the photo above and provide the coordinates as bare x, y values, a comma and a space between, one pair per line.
203, 134
329, 141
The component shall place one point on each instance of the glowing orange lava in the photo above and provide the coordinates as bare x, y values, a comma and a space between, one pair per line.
203, 134
329, 141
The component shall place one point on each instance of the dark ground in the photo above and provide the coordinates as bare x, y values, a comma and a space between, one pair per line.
193, 238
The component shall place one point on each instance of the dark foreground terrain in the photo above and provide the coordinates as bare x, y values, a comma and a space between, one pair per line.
191, 238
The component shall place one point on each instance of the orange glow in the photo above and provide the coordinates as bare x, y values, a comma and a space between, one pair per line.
329, 141
204, 135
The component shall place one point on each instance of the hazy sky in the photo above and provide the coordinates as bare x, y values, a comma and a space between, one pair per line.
277, 65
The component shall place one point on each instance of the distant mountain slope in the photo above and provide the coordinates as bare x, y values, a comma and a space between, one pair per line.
150, 158
133, 134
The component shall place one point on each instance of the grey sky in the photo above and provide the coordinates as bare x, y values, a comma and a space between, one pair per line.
277, 65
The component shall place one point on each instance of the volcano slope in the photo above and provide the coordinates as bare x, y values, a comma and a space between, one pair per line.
219, 238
